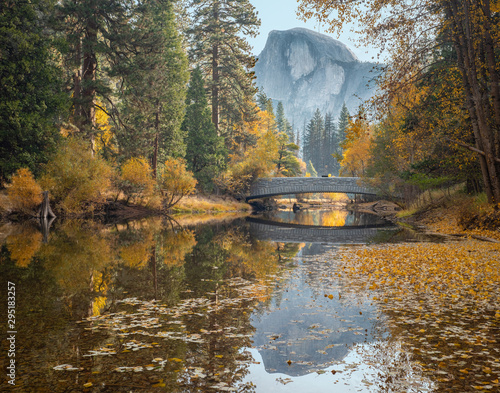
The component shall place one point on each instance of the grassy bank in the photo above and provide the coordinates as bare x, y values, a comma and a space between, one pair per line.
456, 215
209, 204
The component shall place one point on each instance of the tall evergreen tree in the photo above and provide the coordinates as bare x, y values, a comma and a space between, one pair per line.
331, 145
205, 152
343, 123
313, 139
282, 122
287, 163
263, 100
219, 47
154, 87
30, 89
92, 30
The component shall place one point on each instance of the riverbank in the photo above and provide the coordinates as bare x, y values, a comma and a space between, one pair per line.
457, 216
121, 211
440, 297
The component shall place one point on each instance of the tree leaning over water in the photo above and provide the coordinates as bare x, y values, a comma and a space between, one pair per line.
218, 46
408, 31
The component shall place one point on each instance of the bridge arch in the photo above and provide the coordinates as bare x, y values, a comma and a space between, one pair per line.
268, 187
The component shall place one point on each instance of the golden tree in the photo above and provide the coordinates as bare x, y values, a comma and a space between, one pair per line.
136, 180
175, 181
24, 192
410, 31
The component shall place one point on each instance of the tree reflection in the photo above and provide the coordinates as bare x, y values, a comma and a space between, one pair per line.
24, 244
165, 304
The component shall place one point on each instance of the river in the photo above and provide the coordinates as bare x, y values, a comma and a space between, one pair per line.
243, 304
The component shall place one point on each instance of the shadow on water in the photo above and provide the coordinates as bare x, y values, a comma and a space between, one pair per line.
157, 306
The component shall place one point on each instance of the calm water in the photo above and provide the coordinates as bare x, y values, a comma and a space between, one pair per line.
156, 306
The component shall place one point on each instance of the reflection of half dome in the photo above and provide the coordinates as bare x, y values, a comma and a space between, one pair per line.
310, 330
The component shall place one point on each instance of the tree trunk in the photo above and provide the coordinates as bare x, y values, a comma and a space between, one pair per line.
494, 84
88, 82
215, 75
45, 225
45, 210
464, 36
155, 147
77, 87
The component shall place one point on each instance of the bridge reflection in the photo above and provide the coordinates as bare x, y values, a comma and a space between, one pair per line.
287, 232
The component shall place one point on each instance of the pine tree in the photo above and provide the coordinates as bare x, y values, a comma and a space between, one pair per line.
343, 123
280, 117
154, 88
205, 152
287, 163
218, 46
30, 89
331, 145
92, 30
313, 139
263, 100
282, 123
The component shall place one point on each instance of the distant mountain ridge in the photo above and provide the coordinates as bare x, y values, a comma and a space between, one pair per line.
306, 70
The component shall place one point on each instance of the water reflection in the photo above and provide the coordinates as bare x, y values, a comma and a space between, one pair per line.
309, 325
157, 306
325, 217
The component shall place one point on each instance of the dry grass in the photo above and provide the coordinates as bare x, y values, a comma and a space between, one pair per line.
430, 199
200, 204
468, 216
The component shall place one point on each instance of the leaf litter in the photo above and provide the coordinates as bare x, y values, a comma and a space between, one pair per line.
442, 302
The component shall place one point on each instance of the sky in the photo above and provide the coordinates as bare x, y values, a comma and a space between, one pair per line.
281, 15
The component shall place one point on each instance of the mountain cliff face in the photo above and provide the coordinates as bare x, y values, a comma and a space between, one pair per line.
306, 70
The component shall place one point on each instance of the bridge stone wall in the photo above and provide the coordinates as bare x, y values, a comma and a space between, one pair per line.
298, 185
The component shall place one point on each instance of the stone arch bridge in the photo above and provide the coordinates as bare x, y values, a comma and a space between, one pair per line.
268, 187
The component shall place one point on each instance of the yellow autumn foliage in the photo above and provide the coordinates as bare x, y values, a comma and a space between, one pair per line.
76, 254
24, 192
175, 246
334, 218
136, 180
256, 161
104, 137
24, 245
75, 179
175, 181
137, 253
447, 272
